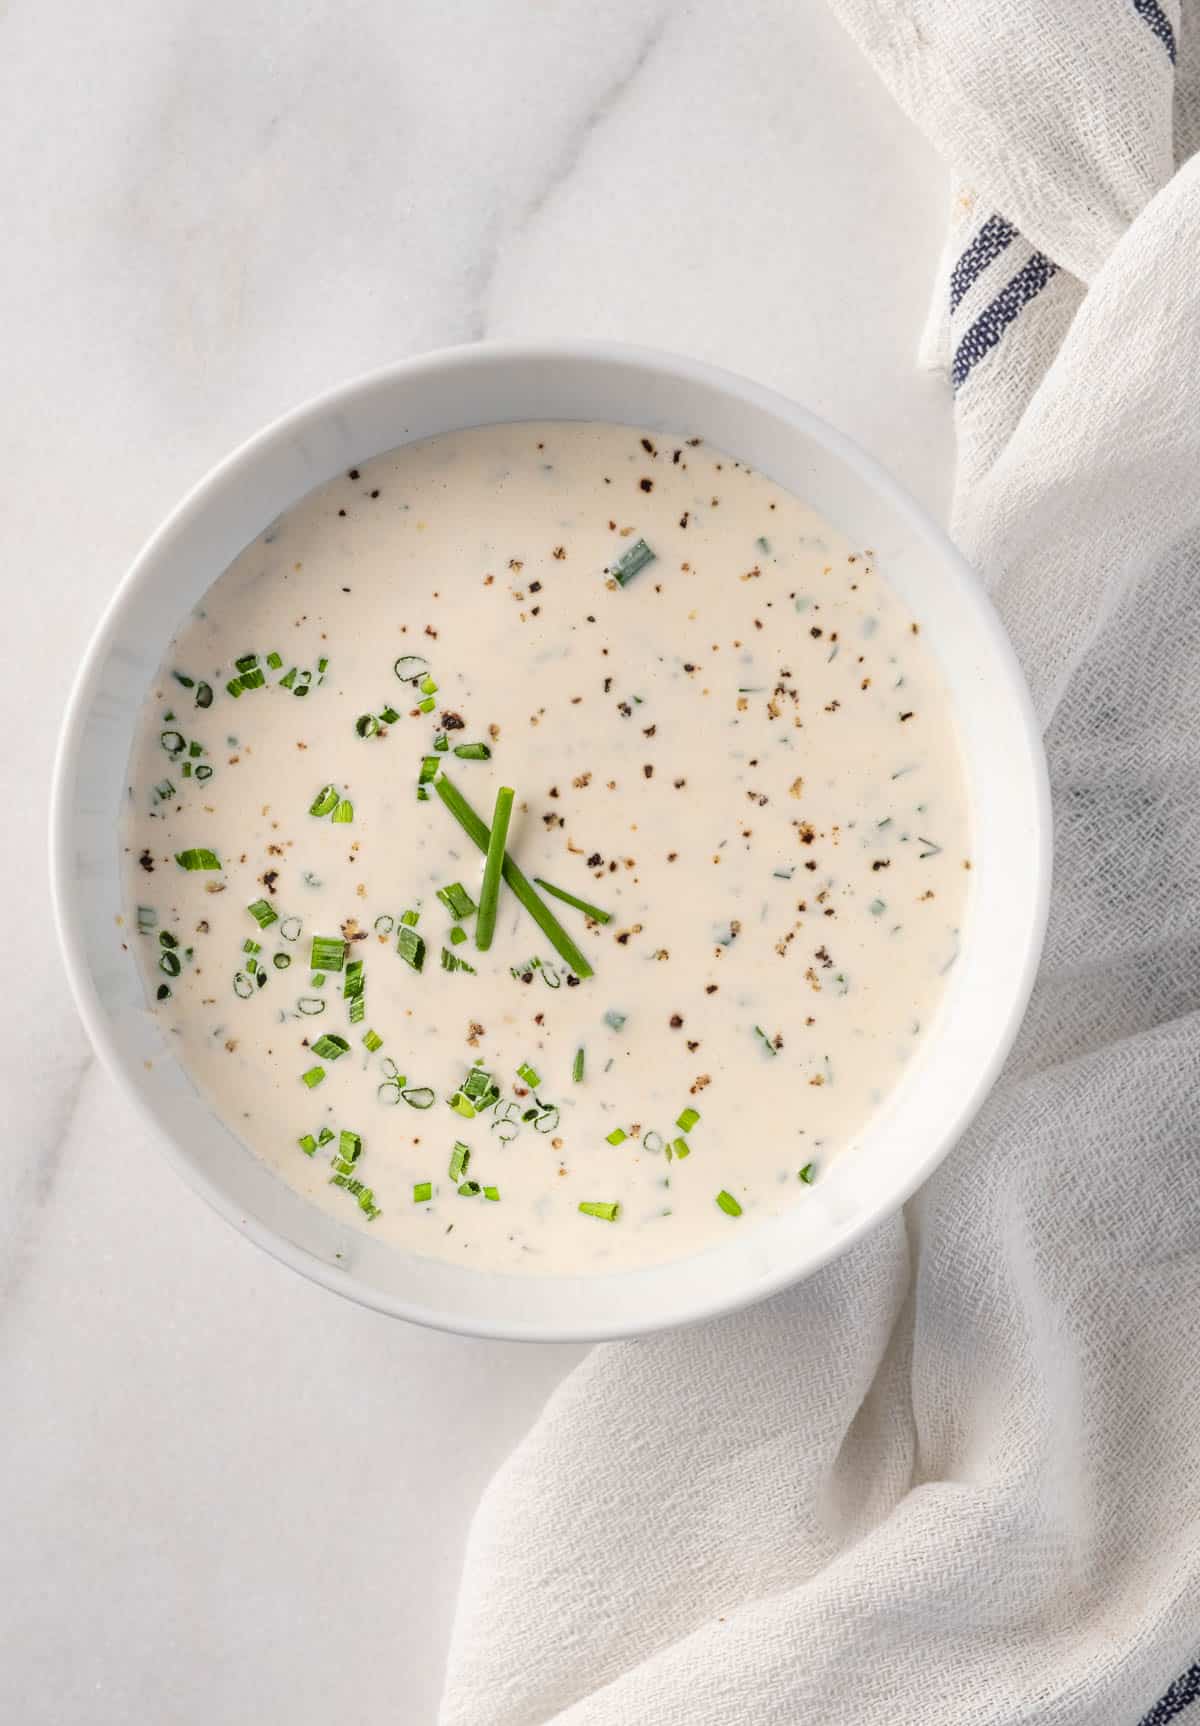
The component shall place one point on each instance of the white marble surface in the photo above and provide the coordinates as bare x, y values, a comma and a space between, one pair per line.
227, 1495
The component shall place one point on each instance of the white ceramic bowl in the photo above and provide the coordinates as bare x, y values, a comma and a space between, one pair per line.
989, 985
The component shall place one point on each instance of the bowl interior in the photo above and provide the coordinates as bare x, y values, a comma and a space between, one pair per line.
988, 987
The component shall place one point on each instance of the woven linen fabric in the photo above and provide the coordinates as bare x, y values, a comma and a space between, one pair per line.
954, 1479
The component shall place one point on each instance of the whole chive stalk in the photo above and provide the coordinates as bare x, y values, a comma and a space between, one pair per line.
588, 910
577, 1067
457, 900
728, 1204
606, 1213
489, 896
198, 857
328, 953
541, 913
630, 562
325, 802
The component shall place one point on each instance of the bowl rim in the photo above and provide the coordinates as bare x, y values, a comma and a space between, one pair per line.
68, 918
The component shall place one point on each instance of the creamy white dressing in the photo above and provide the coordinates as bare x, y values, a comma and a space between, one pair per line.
745, 755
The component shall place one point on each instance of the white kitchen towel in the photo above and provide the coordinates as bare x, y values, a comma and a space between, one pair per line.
955, 1478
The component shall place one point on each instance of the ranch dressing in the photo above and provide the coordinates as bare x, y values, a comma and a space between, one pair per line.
722, 729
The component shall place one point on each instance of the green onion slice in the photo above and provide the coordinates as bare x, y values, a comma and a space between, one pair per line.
606, 1213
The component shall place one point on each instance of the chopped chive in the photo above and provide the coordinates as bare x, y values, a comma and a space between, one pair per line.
147, 919
234, 687
164, 790
654, 1143
457, 900
263, 913
204, 695
516, 879
310, 1006
281, 961
469, 1190
330, 1047
934, 850
372, 1040
198, 857
530, 1075
388, 715
617, 1136
317, 980
186, 770
290, 928
246, 663
429, 767
492, 1193
366, 725
364, 1195
344, 813
349, 1147
441, 743
162, 993
181, 677
204, 771
410, 919
577, 1067
630, 562
472, 752
428, 685
322, 666
170, 962
287, 680
307, 1144
877, 907
328, 953
477, 1083
354, 979
422, 1192
588, 910
728, 1204
681, 1148
460, 1159
411, 946
606, 1213
766, 1042
385, 924
452, 962
457, 935
808, 1174
410, 667
427, 705
614, 1020
687, 1119
166, 939
325, 802
462, 1105
274, 660
418, 1097
313, 1077
248, 946
763, 544
243, 986
195, 749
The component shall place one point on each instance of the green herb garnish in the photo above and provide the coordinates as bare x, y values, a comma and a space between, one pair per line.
410, 946
263, 913
588, 910
422, 1192
325, 802
460, 1159
330, 1047
198, 857
313, 1077
577, 1067
728, 1204
630, 562
457, 900
606, 1213
489, 896
328, 953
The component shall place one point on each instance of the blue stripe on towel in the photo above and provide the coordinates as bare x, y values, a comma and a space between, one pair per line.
987, 245
992, 322
1182, 1693
1152, 14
